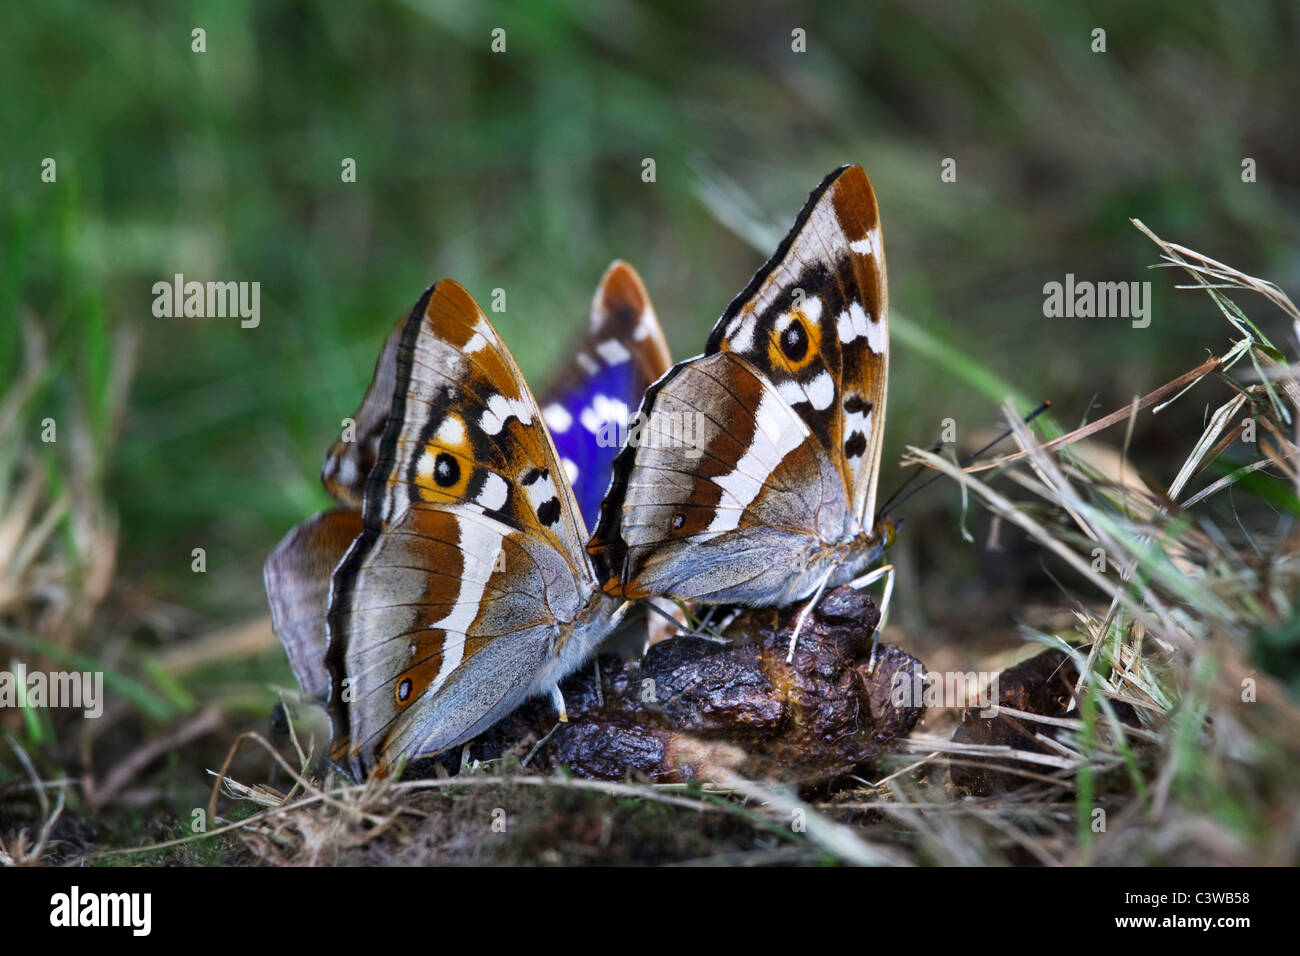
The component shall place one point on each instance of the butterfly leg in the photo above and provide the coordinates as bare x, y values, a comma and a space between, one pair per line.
557, 701
885, 571
803, 612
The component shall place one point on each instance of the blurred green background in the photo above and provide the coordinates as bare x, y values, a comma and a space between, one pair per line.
522, 170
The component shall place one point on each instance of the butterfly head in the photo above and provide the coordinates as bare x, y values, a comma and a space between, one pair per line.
887, 531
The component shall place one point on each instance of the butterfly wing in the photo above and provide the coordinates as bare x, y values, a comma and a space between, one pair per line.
788, 410
353, 454
621, 353
463, 428
297, 578
462, 594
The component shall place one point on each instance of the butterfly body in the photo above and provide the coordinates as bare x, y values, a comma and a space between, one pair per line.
779, 496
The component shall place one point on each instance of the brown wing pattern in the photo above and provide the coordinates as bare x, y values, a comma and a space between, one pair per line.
449, 615
465, 428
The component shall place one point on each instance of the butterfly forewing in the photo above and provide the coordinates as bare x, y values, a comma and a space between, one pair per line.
863, 332
353, 454
464, 428
814, 321
587, 408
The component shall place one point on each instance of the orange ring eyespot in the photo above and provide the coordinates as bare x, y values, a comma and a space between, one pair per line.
446, 464
795, 341
403, 691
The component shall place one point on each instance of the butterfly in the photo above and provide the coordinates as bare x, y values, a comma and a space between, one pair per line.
780, 503
453, 583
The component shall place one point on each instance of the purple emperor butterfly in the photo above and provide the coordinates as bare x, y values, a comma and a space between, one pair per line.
465, 588
778, 498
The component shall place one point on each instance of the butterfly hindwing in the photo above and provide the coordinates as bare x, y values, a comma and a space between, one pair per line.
298, 586
727, 515
450, 618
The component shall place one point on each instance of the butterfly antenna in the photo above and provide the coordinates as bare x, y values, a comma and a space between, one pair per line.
916, 473
682, 631
963, 463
